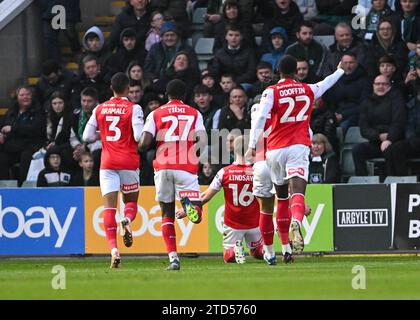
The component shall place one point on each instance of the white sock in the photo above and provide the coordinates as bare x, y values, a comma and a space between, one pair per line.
113, 251
173, 256
286, 248
269, 251
299, 223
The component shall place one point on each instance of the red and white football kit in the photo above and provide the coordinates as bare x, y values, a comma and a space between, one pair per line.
176, 164
120, 123
241, 217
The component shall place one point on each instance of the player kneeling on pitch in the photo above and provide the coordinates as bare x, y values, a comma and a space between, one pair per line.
242, 211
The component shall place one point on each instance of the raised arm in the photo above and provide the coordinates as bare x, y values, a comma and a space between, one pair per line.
319, 88
137, 122
90, 134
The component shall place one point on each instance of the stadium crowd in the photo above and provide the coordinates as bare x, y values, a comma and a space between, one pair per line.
380, 91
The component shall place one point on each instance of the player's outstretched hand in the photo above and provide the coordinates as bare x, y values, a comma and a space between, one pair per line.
250, 155
339, 65
180, 214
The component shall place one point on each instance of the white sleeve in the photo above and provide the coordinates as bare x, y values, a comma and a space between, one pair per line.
137, 122
199, 124
319, 88
89, 134
216, 184
150, 125
216, 119
260, 116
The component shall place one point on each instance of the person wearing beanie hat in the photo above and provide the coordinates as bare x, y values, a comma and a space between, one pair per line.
307, 48
162, 54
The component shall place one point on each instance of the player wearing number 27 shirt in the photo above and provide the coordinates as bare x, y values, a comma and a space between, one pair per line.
290, 104
120, 124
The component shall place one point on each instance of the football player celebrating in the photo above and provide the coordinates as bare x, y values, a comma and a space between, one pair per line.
120, 123
179, 133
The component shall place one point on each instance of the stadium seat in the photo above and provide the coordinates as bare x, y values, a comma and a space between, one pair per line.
363, 179
325, 40
8, 183
373, 164
204, 47
29, 184
404, 179
351, 138
340, 136
198, 19
258, 40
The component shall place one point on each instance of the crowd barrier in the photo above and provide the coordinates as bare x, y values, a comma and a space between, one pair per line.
345, 218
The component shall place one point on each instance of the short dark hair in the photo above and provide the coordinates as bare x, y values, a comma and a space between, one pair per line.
233, 27
176, 89
119, 82
90, 92
305, 23
201, 88
264, 65
91, 35
387, 59
228, 75
350, 54
50, 66
89, 57
135, 83
287, 65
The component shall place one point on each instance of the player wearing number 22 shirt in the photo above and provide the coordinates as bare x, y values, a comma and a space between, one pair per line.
178, 128
120, 124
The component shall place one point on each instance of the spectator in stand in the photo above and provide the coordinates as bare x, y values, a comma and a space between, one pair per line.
303, 73
307, 48
54, 78
264, 75
60, 133
323, 121
278, 45
388, 68
280, 13
87, 176
181, 69
209, 80
344, 42
368, 4
412, 81
51, 34
386, 42
92, 77
379, 9
307, 8
213, 17
206, 173
129, 51
349, 92
88, 102
54, 174
94, 45
135, 15
135, 72
235, 115
227, 83
153, 35
162, 54
235, 58
22, 132
232, 16
407, 22
135, 92
414, 57
410, 146
331, 13
324, 166
174, 10
203, 103
151, 102
382, 121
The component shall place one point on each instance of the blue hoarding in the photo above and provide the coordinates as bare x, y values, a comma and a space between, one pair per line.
42, 221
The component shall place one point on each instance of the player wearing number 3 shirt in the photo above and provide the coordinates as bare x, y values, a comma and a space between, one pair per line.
120, 124
241, 215
177, 128
290, 104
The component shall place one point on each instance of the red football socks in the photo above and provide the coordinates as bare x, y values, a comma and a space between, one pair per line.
130, 210
283, 220
110, 227
257, 252
229, 255
267, 228
168, 234
297, 206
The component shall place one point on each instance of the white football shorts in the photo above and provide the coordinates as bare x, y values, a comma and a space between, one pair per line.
174, 184
262, 186
288, 162
126, 181
252, 237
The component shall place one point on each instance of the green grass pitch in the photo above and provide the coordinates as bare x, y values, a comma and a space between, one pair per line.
327, 277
